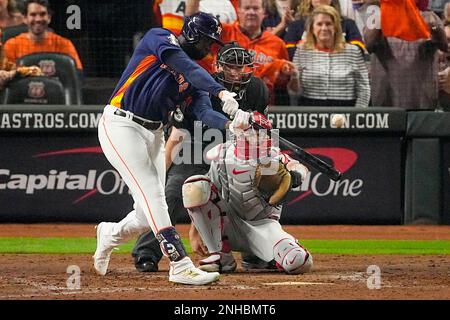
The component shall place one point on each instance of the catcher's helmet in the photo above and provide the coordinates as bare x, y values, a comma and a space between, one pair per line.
200, 25
236, 67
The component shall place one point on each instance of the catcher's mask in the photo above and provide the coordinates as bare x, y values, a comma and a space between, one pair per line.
235, 68
253, 144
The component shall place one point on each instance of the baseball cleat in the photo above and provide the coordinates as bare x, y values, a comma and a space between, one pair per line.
253, 263
103, 252
185, 272
218, 262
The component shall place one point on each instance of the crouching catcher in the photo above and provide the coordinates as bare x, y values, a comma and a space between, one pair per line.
237, 205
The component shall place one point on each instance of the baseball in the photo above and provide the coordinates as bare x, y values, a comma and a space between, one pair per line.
337, 120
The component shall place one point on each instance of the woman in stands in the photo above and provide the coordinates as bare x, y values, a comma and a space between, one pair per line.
296, 30
330, 72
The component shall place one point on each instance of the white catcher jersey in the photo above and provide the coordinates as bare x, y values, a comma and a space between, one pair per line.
234, 177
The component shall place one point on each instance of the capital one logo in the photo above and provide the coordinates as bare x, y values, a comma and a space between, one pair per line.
94, 183
343, 160
106, 182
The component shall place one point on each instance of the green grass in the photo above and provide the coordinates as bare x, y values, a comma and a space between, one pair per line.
87, 246
378, 246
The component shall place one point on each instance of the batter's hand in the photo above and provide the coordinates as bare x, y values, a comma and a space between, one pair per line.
241, 121
230, 105
196, 242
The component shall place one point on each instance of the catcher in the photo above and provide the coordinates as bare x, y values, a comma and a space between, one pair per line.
237, 205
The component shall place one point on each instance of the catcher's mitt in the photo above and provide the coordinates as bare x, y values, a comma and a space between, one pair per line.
272, 181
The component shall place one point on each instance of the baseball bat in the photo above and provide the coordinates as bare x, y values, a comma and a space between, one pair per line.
305, 157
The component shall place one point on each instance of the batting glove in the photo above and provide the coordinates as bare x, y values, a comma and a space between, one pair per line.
240, 121
229, 104
298, 173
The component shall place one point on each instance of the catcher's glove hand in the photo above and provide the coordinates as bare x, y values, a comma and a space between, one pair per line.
273, 181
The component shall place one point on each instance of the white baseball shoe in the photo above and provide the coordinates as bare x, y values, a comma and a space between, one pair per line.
185, 272
218, 262
104, 247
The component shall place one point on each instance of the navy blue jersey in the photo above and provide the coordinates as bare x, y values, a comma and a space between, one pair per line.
160, 77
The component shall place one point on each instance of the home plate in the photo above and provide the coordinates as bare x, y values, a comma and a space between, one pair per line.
290, 283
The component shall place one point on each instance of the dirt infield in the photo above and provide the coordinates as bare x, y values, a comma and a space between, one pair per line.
333, 277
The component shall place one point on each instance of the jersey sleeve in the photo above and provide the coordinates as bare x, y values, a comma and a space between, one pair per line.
194, 74
10, 50
164, 45
158, 41
68, 48
203, 111
352, 34
293, 36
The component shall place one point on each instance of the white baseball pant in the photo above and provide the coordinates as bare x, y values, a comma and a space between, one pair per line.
138, 155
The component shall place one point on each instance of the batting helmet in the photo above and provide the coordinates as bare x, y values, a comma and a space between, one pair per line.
200, 25
235, 68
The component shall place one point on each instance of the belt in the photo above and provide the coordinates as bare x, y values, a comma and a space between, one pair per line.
147, 124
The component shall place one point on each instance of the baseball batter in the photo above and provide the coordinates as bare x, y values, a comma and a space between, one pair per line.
235, 71
161, 77
237, 205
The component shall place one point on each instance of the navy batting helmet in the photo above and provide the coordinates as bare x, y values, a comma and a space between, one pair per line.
201, 24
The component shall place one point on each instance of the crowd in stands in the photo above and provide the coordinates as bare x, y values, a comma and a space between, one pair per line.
308, 52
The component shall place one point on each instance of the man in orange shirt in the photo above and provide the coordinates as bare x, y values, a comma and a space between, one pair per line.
270, 52
38, 38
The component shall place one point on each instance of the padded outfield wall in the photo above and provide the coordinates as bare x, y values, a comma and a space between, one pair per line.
52, 168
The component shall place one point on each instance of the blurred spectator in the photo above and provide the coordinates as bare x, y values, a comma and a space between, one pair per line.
270, 53
444, 73
20, 5
357, 10
296, 30
235, 4
437, 6
222, 9
422, 5
446, 12
39, 38
405, 59
170, 13
9, 15
331, 72
279, 14
11, 20
363, 12
347, 8
9, 71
